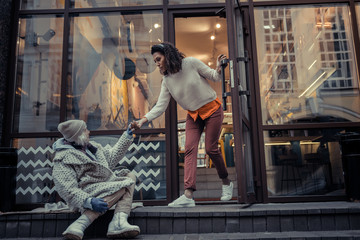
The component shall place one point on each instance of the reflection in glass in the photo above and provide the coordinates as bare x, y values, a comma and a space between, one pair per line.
304, 162
113, 3
307, 68
112, 77
41, 4
174, 2
357, 10
145, 157
38, 74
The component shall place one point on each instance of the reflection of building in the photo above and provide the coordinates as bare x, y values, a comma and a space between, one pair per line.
308, 60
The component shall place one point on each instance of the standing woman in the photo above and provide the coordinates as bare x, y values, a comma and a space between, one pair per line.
184, 79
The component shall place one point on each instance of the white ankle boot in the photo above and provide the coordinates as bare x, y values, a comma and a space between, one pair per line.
76, 230
120, 228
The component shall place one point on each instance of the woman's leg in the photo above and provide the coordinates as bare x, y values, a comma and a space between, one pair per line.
193, 132
212, 134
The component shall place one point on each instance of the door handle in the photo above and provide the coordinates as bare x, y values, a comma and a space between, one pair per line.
225, 94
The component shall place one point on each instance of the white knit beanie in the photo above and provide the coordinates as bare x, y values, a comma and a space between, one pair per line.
72, 129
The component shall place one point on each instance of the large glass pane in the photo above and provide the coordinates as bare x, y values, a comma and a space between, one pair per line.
307, 68
38, 73
145, 157
113, 3
304, 162
357, 9
112, 77
41, 4
173, 2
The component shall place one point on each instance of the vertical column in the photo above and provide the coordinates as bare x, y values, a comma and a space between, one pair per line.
5, 35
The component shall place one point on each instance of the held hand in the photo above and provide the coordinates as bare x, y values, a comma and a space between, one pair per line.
218, 63
99, 205
141, 122
132, 127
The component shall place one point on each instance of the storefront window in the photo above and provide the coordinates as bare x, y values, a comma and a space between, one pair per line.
174, 2
112, 78
307, 67
38, 73
41, 4
145, 158
357, 9
113, 3
304, 162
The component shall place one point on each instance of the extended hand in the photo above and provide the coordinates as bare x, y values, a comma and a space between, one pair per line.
99, 205
140, 122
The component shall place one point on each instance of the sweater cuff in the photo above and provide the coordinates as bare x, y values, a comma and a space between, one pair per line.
87, 203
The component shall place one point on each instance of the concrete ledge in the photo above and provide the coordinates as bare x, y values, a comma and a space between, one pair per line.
234, 218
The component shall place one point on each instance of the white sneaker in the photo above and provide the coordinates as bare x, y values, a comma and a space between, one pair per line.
227, 192
182, 201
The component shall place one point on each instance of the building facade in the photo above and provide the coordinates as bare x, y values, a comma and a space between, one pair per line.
290, 92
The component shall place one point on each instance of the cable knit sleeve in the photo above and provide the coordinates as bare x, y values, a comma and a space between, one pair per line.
161, 104
66, 184
205, 71
117, 152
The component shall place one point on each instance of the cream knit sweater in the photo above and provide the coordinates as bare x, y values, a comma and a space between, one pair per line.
189, 87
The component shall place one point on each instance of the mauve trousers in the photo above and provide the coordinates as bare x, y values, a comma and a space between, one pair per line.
193, 132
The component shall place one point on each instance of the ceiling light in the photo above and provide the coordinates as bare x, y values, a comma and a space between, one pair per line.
156, 25
212, 37
218, 25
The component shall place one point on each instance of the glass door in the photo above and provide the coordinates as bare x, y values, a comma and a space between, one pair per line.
240, 93
205, 40
208, 37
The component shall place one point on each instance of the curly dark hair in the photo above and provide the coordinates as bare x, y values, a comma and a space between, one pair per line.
173, 57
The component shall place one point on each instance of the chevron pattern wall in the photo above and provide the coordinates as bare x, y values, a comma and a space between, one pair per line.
35, 183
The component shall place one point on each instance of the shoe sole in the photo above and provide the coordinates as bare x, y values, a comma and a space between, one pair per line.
180, 206
71, 236
126, 234
226, 199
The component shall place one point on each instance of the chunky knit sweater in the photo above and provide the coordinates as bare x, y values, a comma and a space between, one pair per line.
189, 87
79, 175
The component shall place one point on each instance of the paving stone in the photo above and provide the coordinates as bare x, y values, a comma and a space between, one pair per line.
218, 224
192, 225
273, 224
342, 222
205, 225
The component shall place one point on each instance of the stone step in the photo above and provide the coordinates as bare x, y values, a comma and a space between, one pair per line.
321, 235
203, 219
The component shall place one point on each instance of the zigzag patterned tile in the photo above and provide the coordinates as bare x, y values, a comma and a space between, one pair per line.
35, 164
147, 174
33, 178
35, 190
145, 146
138, 160
35, 151
146, 188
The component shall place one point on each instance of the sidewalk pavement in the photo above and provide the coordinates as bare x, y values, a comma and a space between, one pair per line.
353, 234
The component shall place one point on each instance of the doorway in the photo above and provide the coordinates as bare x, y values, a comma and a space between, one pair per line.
206, 37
